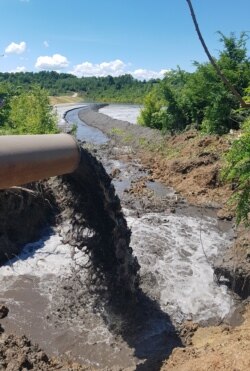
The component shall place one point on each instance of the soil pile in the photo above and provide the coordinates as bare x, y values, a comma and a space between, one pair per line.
191, 163
221, 348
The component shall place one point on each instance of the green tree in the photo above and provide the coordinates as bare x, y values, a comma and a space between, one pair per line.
152, 106
30, 113
5, 95
221, 75
201, 98
237, 170
164, 107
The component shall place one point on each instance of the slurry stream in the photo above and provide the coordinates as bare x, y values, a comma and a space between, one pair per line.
84, 132
175, 252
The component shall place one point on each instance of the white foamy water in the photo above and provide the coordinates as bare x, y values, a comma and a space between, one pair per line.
46, 256
175, 254
128, 113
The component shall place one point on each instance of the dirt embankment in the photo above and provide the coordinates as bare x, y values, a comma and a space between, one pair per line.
220, 348
189, 162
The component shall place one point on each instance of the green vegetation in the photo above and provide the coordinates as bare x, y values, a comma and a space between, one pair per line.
200, 98
64, 99
121, 89
237, 170
26, 112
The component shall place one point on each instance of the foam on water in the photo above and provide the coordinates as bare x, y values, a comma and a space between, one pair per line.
46, 256
176, 254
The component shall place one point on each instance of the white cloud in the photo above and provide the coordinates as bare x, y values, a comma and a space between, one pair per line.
143, 74
19, 69
56, 62
114, 68
46, 44
14, 48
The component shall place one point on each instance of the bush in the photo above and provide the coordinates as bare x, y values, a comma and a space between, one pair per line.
237, 170
30, 113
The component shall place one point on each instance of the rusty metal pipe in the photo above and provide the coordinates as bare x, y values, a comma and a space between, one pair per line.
28, 158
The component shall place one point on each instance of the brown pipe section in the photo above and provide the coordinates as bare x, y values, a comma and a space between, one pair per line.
28, 158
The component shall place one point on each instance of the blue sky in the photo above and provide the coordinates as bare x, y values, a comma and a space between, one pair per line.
100, 37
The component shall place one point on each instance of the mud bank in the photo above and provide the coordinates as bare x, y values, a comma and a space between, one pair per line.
24, 214
222, 348
18, 353
110, 126
238, 278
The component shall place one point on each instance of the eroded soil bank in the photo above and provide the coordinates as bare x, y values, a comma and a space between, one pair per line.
24, 213
221, 348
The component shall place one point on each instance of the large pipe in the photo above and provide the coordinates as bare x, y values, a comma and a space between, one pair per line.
28, 158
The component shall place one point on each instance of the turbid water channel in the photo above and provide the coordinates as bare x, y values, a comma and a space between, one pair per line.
175, 249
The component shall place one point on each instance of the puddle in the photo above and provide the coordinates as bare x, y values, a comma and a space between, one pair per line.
160, 190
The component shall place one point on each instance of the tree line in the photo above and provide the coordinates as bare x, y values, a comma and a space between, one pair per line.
123, 89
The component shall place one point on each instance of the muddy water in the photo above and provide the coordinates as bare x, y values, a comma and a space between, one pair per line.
45, 290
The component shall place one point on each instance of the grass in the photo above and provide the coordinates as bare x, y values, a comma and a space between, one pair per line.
64, 99
117, 131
